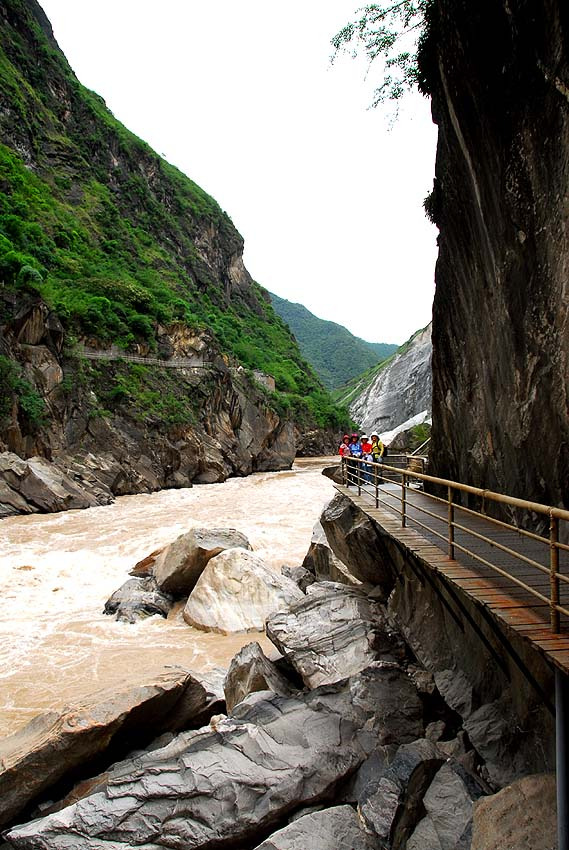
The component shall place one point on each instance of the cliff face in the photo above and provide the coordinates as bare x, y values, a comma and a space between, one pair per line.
498, 73
400, 390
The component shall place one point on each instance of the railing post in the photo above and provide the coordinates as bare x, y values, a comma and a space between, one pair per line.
344, 475
359, 477
562, 757
554, 571
450, 525
403, 500
376, 485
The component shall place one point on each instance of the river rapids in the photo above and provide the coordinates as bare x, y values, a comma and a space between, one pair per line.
57, 571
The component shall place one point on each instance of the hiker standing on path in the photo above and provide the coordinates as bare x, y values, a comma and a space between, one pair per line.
355, 451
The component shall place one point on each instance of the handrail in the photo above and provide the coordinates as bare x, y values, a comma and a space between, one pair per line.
368, 476
422, 446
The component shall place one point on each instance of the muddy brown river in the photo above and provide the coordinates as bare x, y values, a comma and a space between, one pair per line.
57, 571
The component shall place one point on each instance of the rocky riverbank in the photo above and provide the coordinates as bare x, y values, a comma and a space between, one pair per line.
342, 738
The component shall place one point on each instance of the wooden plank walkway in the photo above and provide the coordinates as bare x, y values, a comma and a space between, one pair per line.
514, 606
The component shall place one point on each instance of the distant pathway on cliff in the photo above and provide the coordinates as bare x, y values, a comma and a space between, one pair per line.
115, 353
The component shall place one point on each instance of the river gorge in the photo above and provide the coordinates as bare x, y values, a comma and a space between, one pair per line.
59, 569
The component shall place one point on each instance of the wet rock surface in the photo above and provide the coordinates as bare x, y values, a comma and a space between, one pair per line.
332, 632
55, 744
137, 599
251, 671
330, 829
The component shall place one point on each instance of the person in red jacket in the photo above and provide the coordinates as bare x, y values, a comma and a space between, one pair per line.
344, 449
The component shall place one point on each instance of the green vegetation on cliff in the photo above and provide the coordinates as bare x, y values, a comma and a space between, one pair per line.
335, 354
115, 240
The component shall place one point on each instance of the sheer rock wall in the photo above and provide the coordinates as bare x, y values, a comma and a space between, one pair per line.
499, 76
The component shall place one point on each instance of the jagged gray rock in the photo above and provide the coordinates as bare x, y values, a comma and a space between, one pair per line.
56, 743
449, 804
178, 566
491, 731
323, 563
250, 670
357, 542
332, 632
137, 599
299, 575
337, 827
400, 390
390, 802
225, 785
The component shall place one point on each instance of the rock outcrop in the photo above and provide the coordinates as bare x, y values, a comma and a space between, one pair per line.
356, 541
498, 74
143, 359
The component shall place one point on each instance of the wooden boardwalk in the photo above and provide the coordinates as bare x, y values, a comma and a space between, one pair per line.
514, 606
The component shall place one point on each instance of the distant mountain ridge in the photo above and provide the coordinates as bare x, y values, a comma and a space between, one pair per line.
335, 354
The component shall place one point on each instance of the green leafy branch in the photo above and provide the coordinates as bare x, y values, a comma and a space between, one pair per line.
391, 31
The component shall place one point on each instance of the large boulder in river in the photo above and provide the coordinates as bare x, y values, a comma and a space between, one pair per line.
332, 632
330, 829
179, 565
236, 593
357, 542
56, 743
226, 787
250, 670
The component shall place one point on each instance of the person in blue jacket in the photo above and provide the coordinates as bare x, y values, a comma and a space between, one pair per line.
355, 451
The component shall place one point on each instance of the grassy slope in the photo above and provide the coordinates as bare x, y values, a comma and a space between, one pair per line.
105, 230
335, 354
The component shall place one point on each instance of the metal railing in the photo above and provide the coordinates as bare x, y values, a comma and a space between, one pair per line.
369, 478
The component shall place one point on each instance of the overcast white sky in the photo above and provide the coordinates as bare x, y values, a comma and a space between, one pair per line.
242, 98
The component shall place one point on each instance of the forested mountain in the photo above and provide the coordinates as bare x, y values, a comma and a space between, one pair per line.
335, 354
104, 243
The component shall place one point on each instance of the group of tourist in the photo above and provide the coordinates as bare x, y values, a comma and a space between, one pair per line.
364, 448
367, 448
